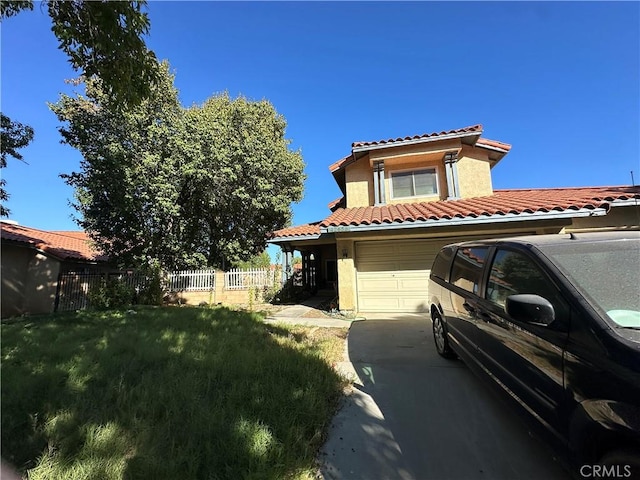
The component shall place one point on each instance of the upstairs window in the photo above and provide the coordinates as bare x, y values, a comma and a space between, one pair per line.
415, 183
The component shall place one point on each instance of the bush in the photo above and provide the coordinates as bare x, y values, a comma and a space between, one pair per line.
154, 290
111, 293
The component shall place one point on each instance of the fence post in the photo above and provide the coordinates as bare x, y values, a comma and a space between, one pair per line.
219, 296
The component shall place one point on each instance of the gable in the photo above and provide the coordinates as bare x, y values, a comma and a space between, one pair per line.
457, 163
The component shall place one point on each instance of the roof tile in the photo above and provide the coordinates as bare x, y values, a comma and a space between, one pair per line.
64, 245
298, 231
471, 129
501, 203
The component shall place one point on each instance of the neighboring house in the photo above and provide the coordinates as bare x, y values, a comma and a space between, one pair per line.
405, 198
32, 261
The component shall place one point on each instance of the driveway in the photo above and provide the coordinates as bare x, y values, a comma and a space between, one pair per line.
416, 416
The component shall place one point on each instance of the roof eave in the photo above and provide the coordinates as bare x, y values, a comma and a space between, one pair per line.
415, 141
294, 238
505, 218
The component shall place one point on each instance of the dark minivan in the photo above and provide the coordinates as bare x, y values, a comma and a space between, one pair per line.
553, 321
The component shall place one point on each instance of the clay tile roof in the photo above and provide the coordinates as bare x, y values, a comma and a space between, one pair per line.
471, 129
298, 231
485, 142
63, 245
337, 203
336, 165
502, 202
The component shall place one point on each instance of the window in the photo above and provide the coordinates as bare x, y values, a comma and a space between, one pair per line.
467, 268
514, 273
415, 183
441, 264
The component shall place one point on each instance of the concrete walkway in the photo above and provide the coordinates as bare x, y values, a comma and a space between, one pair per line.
301, 314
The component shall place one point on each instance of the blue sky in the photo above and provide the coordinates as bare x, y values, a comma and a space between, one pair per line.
558, 81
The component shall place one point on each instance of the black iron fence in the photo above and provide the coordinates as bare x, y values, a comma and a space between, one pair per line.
75, 289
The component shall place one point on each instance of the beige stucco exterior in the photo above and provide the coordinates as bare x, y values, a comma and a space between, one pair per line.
473, 170
29, 281
474, 173
359, 184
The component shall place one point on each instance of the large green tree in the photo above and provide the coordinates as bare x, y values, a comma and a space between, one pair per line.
129, 180
240, 176
13, 136
181, 187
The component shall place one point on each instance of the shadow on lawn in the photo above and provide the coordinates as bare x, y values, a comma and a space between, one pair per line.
165, 393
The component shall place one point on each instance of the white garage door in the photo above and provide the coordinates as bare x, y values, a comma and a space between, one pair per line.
393, 276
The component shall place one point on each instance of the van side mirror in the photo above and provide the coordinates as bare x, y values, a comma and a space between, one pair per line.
530, 309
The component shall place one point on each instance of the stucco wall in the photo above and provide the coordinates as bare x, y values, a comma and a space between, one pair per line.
347, 276
474, 174
359, 184
29, 281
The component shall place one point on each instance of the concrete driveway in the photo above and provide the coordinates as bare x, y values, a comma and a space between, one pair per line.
416, 416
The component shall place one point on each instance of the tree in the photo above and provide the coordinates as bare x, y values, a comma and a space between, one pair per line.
13, 136
128, 186
261, 260
102, 39
240, 177
180, 187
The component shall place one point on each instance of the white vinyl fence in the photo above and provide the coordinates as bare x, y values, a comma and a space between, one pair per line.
192, 280
205, 280
240, 279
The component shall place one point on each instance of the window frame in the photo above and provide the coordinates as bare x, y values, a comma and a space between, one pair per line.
413, 171
482, 271
560, 299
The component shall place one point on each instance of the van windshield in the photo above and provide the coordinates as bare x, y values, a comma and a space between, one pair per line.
607, 273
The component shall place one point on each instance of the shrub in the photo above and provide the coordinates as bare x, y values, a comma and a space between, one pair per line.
110, 293
153, 291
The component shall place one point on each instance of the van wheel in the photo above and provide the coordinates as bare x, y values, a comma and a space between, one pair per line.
440, 337
623, 463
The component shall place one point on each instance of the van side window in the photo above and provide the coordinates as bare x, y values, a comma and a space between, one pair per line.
513, 273
442, 263
467, 268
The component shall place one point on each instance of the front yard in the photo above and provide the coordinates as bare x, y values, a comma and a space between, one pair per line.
166, 393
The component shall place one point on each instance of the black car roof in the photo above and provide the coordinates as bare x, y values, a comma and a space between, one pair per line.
559, 238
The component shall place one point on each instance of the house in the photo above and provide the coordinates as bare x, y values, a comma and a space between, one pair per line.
32, 261
404, 198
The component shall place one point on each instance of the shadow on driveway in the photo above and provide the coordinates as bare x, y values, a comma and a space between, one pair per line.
417, 416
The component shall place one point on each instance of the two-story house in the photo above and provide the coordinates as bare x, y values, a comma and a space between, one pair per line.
405, 198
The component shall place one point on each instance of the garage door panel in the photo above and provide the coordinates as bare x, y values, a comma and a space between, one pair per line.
376, 285
393, 276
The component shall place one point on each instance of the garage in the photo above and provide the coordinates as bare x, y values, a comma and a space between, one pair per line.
393, 276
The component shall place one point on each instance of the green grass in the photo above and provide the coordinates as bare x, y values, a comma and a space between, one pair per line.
166, 393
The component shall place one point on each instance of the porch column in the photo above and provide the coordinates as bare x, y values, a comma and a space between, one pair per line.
286, 263
305, 269
313, 271
348, 301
